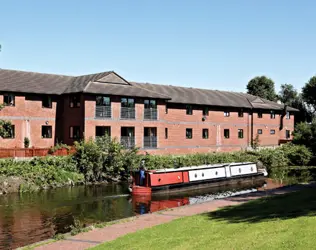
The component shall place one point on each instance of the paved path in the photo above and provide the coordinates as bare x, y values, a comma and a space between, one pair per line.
98, 236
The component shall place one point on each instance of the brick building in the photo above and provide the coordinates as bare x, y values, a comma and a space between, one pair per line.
160, 119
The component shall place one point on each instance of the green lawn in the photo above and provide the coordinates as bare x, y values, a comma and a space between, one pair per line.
280, 222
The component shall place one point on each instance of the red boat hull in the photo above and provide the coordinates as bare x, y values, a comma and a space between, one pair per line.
141, 191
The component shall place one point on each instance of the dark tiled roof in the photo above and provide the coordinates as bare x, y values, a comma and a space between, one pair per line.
211, 97
101, 83
122, 90
30, 82
80, 82
112, 84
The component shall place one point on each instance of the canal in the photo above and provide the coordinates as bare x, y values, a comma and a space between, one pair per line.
31, 217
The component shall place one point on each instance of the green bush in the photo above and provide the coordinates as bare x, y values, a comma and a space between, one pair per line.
42, 172
104, 158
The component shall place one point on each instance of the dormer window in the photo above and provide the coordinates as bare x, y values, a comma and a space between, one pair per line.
205, 111
272, 115
189, 110
47, 102
74, 101
9, 100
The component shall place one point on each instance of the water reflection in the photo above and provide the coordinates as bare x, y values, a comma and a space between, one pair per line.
28, 218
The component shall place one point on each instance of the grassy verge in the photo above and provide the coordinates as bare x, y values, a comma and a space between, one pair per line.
279, 222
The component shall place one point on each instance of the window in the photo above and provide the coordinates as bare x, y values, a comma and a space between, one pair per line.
205, 133
166, 133
10, 129
259, 114
226, 113
272, 115
288, 134
166, 109
103, 101
47, 102
189, 109
9, 100
188, 133
205, 111
150, 104
226, 133
74, 101
240, 113
259, 131
47, 132
272, 132
288, 115
127, 102
240, 133
74, 132
102, 131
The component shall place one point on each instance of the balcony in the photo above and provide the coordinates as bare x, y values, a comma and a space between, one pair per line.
127, 113
150, 142
128, 141
150, 114
103, 112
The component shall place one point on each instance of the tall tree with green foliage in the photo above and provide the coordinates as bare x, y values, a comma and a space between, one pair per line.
309, 93
290, 96
263, 87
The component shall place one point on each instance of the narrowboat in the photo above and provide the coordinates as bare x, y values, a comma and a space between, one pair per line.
196, 177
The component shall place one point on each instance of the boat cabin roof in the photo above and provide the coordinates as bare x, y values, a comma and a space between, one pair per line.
166, 170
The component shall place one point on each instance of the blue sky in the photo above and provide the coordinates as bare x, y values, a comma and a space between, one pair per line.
207, 44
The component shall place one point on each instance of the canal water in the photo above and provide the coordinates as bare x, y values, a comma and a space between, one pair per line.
32, 217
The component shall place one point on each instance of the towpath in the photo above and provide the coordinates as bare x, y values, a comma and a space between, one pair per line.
98, 236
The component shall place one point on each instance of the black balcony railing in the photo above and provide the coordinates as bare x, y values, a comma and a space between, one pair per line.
150, 114
127, 141
127, 113
103, 111
150, 142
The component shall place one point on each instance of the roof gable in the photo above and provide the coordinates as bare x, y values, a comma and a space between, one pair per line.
257, 100
113, 78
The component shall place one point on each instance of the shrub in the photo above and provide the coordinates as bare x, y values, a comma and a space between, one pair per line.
104, 157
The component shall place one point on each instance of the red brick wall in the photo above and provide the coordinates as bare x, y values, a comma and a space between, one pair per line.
29, 116
28, 110
72, 116
176, 120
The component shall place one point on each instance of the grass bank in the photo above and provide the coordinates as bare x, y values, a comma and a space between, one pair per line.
278, 222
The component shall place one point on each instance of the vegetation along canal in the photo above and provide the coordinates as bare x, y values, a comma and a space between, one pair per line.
31, 217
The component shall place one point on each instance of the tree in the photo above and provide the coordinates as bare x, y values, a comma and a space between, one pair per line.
309, 93
289, 96
305, 134
263, 87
